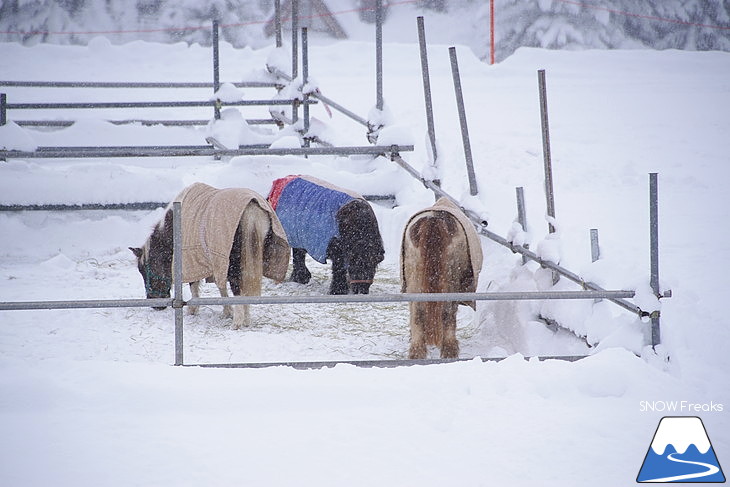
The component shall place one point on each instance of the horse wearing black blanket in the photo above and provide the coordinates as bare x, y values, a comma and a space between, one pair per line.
329, 222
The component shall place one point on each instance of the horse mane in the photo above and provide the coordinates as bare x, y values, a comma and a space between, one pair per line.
161, 232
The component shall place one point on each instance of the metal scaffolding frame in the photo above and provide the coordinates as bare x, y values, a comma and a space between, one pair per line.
176, 302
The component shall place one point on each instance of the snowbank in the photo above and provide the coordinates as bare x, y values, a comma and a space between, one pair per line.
89, 396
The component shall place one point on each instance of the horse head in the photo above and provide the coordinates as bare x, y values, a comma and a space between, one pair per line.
362, 244
361, 260
154, 262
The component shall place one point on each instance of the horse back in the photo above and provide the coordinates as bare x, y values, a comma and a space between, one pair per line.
436, 254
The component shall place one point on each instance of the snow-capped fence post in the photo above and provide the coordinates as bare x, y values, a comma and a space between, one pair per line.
654, 253
305, 80
595, 249
277, 22
491, 32
427, 95
549, 192
522, 216
379, 54
473, 190
294, 55
177, 302
547, 157
216, 69
3, 113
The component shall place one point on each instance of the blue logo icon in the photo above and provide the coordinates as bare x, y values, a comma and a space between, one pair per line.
681, 452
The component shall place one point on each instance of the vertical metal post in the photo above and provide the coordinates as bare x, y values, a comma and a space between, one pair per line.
654, 253
595, 249
294, 54
277, 22
473, 190
3, 109
305, 80
427, 89
379, 54
549, 194
216, 68
491, 31
522, 215
177, 303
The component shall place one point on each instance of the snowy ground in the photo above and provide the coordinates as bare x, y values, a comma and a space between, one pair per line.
90, 396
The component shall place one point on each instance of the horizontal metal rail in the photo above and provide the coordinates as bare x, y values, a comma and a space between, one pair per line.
135, 206
411, 297
146, 123
319, 299
138, 147
148, 104
86, 304
132, 84
205, 152
385, 363
143, 205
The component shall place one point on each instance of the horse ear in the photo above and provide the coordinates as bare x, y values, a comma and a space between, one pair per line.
136, 251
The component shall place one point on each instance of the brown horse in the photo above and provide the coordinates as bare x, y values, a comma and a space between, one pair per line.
228, 236
441, 253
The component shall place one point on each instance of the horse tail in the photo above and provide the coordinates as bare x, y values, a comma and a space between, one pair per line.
433, 235
254, 226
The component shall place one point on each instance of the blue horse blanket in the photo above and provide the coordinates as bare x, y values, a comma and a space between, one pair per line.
307, 208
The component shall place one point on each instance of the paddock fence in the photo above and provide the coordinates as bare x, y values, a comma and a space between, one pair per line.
393, 152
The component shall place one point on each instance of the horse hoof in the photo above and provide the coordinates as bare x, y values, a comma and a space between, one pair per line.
417, 353
450, 350
301, 278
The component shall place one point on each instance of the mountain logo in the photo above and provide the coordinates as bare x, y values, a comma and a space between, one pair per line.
681, 452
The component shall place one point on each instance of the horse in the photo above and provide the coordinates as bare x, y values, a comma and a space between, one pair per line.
440, 253
326, 221
228, 236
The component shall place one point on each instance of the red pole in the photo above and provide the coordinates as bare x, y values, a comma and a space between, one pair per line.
491, 31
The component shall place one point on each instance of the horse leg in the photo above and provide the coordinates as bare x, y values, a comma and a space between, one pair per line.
224, 294
195, 290
255, 224
300, 274
339, 284
418, 338
450, 345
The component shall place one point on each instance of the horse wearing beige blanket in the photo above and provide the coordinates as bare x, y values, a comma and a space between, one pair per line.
228, 236
441, 253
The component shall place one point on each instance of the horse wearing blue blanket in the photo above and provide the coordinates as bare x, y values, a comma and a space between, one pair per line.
329, 222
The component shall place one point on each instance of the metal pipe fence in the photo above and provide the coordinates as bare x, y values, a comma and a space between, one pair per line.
132, 84
387, 363
481, 227
178, 303
147, 104
108, 152
145, 122
318, 299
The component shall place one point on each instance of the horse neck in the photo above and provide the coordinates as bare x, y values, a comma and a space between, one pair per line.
359, 228
160, 242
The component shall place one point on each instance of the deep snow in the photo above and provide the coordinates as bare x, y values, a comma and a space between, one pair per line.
89, 397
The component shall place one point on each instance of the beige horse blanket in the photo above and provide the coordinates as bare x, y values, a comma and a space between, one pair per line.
210, 219
474, 246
